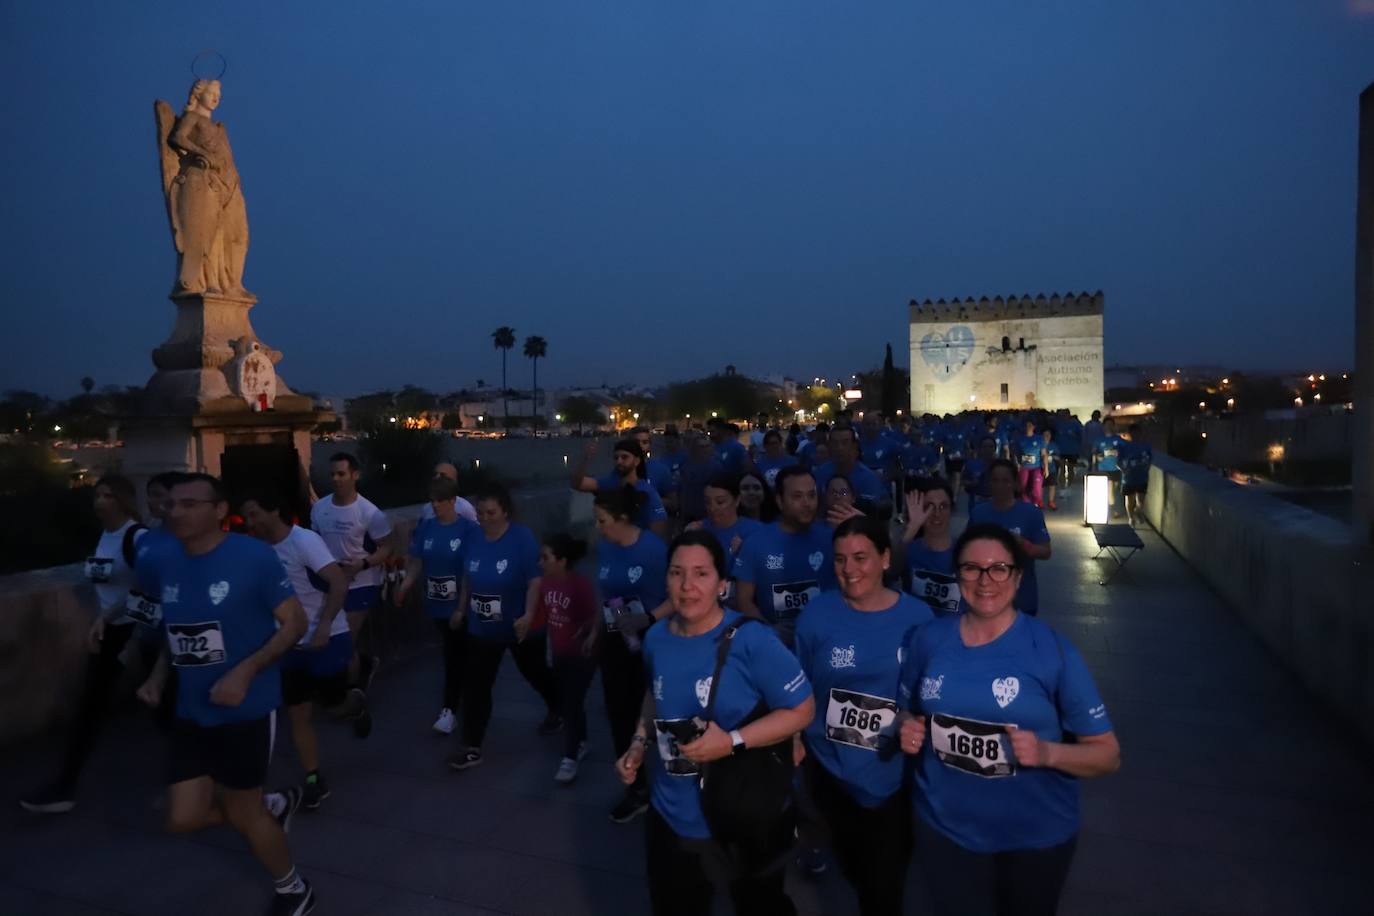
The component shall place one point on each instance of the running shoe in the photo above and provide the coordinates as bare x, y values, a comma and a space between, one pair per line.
630, 807
283, 805
314, 791
446, 722
552, 722
465, 759
49, 800
297, 904
567, 771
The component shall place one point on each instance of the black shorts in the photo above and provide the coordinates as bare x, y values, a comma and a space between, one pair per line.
954, 465
317, 674
234, 755
1131, 489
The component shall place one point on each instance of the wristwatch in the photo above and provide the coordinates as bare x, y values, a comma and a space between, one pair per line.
736, 742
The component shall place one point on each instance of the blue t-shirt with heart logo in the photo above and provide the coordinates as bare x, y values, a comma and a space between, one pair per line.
788, 570
680, 669
1026, 521
217, 609
631, 578
967, 783
1028, 451
439, 548
853, 660
499, 574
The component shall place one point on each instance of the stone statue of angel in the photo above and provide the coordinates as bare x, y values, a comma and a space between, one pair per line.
204, 197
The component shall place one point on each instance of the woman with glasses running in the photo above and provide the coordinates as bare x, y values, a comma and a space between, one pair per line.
930, 546
1003, 719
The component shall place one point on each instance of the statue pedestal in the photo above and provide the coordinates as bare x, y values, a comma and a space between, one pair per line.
215, 405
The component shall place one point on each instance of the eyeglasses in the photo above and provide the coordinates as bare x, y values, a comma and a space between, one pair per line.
997, 572
188, 503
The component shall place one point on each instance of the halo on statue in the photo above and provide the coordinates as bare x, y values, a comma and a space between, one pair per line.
204, 61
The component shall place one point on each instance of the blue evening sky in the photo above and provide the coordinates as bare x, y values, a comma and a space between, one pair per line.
661, 188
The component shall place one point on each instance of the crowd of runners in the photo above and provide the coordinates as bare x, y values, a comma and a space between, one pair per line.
791, 613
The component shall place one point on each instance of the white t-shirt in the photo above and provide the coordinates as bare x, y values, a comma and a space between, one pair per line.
107, 571
346, 529
464, 508
304, 553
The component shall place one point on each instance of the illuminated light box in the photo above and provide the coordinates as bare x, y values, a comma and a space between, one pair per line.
1097, 499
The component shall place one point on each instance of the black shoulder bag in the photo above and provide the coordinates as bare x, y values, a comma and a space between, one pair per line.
746, 797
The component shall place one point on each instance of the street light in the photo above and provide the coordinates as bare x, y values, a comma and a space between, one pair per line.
393, 419
56, 428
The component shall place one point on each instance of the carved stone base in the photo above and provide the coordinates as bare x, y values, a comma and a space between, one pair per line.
206, 329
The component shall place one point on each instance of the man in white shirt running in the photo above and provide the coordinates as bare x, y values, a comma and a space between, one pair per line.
358, 535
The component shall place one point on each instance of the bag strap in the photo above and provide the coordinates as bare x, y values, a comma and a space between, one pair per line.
722, 653
130, 554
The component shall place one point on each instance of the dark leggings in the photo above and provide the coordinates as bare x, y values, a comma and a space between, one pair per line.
452, 644
622, 686
681, 871
103, 670
572, 675
872, 845
1022, 882
481, 662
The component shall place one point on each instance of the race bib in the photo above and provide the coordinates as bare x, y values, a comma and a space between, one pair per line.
617, 610
487, 607
790, 597
442, 588
671, 735
99, 569
195, 644
980, 748
938, 590
859, 719
139, 608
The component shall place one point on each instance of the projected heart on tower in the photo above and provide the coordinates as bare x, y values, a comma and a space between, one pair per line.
949, 352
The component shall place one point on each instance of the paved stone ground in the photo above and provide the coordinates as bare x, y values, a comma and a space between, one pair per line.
1238, 795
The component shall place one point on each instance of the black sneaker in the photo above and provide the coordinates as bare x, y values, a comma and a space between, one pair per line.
49, 800
630, 807
297, 904
465, 759
314, 791
290, 802
553, 722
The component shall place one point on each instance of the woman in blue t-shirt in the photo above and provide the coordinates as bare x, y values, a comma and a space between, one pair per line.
698, 718
501, 592
845, 642
725, 523
631, 565
930, 546
1003, 720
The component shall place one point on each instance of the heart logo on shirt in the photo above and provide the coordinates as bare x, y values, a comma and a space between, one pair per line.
634, 573
218, 592
452, 545
500, 566
704, 691
815, 560
1005, 689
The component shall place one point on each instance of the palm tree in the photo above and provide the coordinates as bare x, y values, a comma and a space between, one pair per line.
535, 349
504, 338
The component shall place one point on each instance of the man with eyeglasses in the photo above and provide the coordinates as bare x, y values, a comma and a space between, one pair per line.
1022, 519
844, 461
229, 615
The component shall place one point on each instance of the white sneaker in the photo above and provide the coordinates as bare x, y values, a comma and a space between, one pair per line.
446, 722
567, 771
